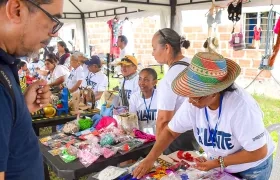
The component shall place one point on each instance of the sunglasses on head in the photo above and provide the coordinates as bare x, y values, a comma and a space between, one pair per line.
164, 37
126, 60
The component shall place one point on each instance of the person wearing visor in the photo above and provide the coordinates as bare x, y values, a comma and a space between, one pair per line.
226, 121
129, 83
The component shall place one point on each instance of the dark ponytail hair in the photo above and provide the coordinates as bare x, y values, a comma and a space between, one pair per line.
171, 37
63, 44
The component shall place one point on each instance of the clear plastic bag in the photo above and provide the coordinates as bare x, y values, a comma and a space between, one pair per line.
111, 172
86, 156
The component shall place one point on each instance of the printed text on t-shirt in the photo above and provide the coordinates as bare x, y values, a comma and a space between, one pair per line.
223, 139
143, 115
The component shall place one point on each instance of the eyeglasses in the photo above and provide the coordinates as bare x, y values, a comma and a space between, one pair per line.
164, 37
199, 99
58, 25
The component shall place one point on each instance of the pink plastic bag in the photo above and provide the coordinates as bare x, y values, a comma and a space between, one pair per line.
106, 121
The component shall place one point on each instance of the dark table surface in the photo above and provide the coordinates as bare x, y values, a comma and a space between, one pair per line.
75, 170
41, 122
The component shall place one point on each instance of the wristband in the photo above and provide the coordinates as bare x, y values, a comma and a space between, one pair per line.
222, 163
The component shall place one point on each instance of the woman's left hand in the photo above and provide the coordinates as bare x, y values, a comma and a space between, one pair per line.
205, 165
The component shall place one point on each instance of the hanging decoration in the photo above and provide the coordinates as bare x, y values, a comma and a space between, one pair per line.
213, 20
115, 26
265, 64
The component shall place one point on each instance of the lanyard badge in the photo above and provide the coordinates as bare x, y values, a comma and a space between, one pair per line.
148, 108
213, 134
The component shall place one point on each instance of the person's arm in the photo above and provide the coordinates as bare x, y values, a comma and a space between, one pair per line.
132, 103
2, 176
166, 104
98, 95
76, 86
163, 141
180, 123
240, 157
6, 123
163, 119
42, 72
57, 82
101, 88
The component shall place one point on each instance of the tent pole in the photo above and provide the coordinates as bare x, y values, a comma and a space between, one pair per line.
84, 31
173, 4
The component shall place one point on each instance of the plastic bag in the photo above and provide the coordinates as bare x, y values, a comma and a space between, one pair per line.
87, 157
128, 122
106, 111
70, 127
66, 157
108, 152
106, 121
120, 110
110, 173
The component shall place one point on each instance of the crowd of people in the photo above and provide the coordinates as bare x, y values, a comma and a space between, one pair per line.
196, 104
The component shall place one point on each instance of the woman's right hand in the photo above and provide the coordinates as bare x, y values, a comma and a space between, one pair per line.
143, 168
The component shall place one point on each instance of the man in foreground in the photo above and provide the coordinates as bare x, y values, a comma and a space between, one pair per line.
26, 26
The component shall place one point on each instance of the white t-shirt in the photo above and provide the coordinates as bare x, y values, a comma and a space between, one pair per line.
241, 127
167, 99
59, 70
130, 86
125, 51
98, 81
33, 66
75, 76
147, 122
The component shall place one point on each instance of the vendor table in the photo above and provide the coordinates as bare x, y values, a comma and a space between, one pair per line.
74, 170
38, 123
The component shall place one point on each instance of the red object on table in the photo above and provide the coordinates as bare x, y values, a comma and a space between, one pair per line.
186, 156
59, 106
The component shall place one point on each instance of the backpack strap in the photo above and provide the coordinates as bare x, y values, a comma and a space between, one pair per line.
179, 63
6, 82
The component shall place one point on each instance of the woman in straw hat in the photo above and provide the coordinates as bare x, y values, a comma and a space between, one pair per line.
227, 121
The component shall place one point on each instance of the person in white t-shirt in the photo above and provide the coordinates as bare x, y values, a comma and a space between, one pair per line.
76, 76
167, 46
129, 83
57, 74
122, 44
95, 79
227, 121
35, 64
144, 102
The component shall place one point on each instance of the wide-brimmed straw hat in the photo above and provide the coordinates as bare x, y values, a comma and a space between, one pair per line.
207, 74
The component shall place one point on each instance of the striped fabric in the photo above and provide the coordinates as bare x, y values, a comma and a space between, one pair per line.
207, 74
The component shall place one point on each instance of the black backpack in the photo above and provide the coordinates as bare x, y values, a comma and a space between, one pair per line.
6, 82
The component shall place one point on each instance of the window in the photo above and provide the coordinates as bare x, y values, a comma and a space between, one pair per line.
258, 20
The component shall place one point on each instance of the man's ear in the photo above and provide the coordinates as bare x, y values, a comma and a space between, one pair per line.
15, 11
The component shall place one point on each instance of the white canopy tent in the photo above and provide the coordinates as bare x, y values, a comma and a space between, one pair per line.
79, 12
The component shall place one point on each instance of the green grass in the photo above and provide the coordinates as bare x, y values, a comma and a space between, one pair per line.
271, 109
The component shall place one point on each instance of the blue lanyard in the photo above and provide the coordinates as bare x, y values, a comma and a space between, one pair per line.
214, 134
148, 109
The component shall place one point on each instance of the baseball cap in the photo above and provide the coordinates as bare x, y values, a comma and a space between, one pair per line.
93, 60
128, 60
